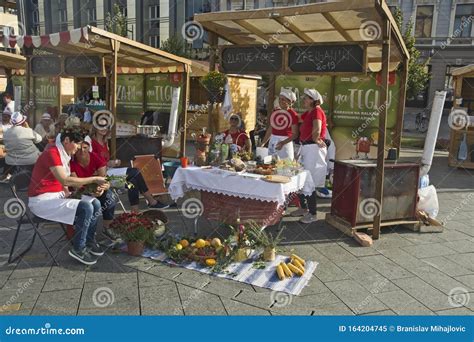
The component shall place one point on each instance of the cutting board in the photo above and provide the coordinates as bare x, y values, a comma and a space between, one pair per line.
277, 179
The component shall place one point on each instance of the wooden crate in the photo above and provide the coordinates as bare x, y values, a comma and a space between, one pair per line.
349, 230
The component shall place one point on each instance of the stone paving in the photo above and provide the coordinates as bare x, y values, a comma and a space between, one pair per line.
404, 273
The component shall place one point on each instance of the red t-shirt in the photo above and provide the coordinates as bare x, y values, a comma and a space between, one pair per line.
95, 163
239, 138
306, 128
42, 179
101, 150
281, 123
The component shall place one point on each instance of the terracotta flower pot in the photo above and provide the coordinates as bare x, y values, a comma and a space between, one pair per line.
135, 248
269, 254
70, 232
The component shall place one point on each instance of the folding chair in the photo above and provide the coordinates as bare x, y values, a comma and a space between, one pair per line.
26, 216
150, 168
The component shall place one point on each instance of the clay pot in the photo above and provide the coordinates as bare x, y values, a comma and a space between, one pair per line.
269, 254
135, 248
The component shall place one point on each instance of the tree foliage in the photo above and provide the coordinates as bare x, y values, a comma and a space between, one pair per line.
116, 22
175, 45
418, 75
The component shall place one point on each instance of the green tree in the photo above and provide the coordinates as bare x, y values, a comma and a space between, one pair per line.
418, 75
116, 22
175, 45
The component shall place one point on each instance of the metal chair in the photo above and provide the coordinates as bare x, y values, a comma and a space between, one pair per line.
24, 216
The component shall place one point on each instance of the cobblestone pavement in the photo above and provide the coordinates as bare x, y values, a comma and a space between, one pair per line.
404, 273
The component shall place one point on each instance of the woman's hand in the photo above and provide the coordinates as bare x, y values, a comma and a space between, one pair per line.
99, 180
104, 187
279, 145
321, 143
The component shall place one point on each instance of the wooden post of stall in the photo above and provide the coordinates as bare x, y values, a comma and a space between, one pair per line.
28, 87
379, 180
401, 105
271, 95
184, 124
212, 66
113, 103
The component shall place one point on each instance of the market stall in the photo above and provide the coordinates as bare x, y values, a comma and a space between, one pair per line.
99, 64
353, 53
243, 92
461, 119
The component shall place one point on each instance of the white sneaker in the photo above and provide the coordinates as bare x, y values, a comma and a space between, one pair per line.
308, 218
299, 212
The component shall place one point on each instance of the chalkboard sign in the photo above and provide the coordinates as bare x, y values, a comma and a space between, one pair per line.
326, 58
45, 65
252, 59
83, 65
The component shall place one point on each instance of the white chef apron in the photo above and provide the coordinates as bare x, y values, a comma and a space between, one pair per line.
286, 152
54, 206
313, 159
117, 171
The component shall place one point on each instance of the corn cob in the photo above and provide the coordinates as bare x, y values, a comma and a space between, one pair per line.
294, 256
287, 271
298, 264
295, 269
280, 273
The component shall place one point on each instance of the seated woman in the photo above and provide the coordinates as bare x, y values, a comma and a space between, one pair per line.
20, 141
99, 145
88, 164
48, 195
236, 135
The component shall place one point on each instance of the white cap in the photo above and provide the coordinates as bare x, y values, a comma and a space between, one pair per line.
314, 94
288, 94
17, 119
45, 116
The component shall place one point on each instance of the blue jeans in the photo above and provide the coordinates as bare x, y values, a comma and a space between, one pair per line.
85, 223
107, 202
139, 185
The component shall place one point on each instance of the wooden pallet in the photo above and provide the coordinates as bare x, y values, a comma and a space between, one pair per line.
349, 230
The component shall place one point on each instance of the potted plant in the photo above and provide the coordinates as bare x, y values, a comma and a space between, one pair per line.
265, 240
243, 243
214, 82
136, 230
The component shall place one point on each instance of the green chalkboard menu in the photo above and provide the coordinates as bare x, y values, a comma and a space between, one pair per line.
46, 65
327, 58
83, 65
130, 94
159, 91
252, 59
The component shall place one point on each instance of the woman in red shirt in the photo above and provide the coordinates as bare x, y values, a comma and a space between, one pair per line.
99, 146
236, 135
48, 195
283, 127
313, 151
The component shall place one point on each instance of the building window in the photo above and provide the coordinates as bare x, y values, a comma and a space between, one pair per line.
463, 21
424, 21
91, 15
62, 16
154, 41
154, 12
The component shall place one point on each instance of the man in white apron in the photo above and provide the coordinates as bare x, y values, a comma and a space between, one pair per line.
48, 195
313, 151
283, 127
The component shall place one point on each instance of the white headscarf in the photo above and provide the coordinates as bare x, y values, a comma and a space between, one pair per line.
288, 94
65, 158
314, 94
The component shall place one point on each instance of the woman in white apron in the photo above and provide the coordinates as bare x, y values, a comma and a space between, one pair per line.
313, 151
48, 194
283, 127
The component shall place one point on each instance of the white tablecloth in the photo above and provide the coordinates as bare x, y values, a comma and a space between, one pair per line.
240, 185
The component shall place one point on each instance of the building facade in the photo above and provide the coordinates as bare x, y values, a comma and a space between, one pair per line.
444, 35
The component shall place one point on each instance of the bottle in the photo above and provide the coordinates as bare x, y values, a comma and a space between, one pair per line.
462, 152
